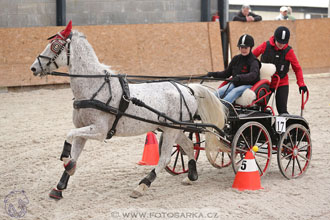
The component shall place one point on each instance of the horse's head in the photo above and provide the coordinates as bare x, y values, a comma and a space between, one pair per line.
52, 57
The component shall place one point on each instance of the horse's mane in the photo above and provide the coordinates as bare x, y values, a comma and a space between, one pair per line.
84, 52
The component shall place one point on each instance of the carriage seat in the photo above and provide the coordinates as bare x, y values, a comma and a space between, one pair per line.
259, 93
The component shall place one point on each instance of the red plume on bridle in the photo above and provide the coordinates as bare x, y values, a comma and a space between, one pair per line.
63, 34
66, 32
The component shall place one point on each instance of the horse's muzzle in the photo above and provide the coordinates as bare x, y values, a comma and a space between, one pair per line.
34, 71
37, 72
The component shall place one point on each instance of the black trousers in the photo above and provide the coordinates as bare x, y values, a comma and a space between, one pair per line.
281, 97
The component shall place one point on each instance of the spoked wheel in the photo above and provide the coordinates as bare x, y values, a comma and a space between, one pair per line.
179, 159
217, 158
251, 134
294, 152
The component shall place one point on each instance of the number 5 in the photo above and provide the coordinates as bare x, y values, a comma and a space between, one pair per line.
243, 166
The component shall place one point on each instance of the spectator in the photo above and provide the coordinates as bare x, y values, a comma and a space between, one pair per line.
283, 14
244, 69
278, 52
246, 15
290, 14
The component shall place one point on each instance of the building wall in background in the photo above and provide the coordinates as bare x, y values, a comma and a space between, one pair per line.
27, 13
133, 12
33, 13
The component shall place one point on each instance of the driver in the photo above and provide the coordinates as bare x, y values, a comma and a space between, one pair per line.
244, 69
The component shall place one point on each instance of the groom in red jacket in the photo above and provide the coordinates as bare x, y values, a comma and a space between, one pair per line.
277, 51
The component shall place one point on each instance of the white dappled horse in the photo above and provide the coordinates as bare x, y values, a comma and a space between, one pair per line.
71, 48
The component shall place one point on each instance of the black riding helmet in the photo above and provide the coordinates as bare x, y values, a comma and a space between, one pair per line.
282, 35
245, 41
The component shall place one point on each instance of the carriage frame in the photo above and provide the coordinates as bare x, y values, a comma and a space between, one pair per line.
286, 136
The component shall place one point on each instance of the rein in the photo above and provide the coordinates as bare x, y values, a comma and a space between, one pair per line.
162, 78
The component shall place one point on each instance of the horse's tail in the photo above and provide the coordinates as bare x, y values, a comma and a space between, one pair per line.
211, 111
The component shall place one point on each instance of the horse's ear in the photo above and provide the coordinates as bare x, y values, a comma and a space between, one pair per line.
66, 32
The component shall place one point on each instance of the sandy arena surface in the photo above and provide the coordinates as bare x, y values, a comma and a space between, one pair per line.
34, 125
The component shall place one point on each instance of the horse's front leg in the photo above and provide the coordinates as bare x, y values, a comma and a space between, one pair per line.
169, 137
71, 153
89, 132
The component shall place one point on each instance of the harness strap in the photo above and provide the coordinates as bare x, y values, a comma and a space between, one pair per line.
68, 54
106, 81
40, 56
123, 105
176, 86
182, 125
182, 99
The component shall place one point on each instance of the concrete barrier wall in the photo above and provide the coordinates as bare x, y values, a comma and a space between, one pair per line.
41, 13
142, 49
309, 39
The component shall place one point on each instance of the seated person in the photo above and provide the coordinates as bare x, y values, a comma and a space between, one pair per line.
246, 15
244, 69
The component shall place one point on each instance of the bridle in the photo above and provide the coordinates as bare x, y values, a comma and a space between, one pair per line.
57, 46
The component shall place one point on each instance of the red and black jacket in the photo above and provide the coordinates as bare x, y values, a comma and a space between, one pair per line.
282, 60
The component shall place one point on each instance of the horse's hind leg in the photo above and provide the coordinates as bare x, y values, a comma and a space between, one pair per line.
67, 153
169, 137
188, 147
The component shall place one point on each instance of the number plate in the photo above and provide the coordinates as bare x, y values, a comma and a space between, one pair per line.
280, 124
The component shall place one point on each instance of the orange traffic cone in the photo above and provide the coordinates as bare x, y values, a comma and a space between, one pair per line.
150, 153
247, 176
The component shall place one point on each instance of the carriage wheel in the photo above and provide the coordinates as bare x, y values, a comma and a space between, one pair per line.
179, 161
251, 134
218, 159
294, 152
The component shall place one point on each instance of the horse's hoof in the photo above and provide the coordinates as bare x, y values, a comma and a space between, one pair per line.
135, 194
193, 176
139, 191
56, 194
192, 172
70, 166
187, 182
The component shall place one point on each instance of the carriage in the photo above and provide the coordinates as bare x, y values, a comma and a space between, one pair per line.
105, 105
252, 122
